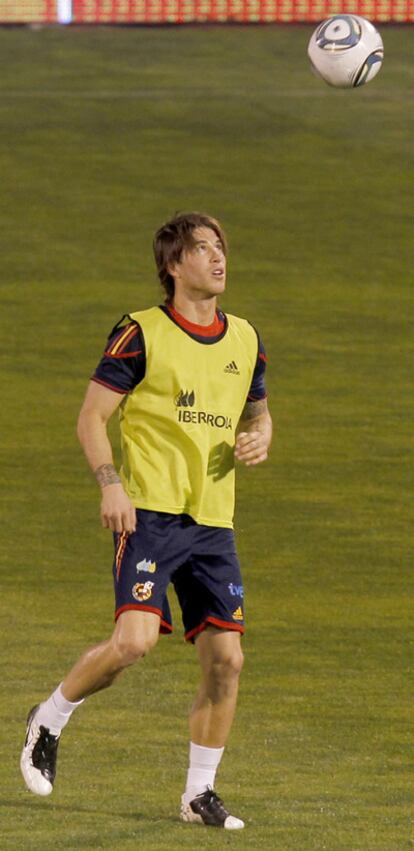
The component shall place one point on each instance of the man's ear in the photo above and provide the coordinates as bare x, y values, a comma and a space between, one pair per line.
172, 269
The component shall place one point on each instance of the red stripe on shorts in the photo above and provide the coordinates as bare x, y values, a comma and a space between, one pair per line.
164, 626
120, 552
236, 627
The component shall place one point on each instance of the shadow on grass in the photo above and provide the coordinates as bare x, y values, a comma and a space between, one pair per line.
34, 803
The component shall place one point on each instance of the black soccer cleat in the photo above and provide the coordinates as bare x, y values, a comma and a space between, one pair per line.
208, 809
38, 759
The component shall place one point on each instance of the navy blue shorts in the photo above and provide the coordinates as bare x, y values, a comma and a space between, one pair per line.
200, 561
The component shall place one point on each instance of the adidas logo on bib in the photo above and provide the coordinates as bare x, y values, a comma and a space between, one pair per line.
232, 368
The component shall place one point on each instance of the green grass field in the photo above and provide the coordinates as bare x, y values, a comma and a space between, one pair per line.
104, 134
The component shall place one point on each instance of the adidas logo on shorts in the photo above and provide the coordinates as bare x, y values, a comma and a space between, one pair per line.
238, 614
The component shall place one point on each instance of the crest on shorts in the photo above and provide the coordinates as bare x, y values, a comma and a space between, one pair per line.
142, 591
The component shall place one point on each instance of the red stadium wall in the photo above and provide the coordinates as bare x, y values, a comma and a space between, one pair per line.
202, 11
27, 11
244, 11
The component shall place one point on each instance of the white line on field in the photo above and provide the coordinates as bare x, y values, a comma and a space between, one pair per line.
187, 94
157, 93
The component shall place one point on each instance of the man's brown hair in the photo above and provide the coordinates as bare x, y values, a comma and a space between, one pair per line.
173, 237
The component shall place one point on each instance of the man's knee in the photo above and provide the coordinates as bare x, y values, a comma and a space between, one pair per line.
226, 666
233, 662
133, 638
128, 649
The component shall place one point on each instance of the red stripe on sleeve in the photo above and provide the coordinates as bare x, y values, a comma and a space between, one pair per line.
256, 398
128, 337
110, 386
118, 337
124, 355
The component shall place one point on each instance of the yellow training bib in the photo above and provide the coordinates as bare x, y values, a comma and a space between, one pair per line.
178, 425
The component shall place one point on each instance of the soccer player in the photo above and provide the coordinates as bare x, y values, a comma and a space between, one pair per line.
188, 381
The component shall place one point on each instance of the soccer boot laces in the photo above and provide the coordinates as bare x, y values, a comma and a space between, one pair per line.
207, 808
38, 759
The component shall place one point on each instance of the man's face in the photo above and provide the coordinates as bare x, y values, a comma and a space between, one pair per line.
201, 271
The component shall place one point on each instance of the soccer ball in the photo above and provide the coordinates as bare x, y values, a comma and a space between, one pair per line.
346, 51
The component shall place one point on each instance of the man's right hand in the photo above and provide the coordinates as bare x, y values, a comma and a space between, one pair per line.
117, 511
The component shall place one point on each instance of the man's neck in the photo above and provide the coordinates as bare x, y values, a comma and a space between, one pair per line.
199, 312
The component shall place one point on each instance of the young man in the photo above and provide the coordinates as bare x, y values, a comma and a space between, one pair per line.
189, 384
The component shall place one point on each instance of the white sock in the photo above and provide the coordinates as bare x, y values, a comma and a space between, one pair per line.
202, 770
55, 712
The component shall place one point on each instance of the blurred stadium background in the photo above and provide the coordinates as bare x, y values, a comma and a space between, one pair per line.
105, 131
201, 11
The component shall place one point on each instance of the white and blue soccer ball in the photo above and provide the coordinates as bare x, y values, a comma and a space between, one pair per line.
346, 51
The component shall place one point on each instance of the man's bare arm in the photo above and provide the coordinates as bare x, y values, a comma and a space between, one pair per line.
254, 433
106, 475
117, 511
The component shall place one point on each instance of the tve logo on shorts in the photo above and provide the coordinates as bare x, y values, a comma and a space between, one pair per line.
146, 566
236, 590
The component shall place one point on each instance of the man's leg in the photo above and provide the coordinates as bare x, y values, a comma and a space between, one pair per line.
211, 718
135, 633
221, 661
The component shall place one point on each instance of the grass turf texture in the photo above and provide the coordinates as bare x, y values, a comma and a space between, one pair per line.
105, 133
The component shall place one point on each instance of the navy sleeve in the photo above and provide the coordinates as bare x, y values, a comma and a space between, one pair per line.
257, 388
122, 365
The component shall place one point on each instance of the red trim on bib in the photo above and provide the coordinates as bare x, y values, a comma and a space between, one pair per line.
213, 330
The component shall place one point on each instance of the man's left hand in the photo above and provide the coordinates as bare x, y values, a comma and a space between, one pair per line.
251, 447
